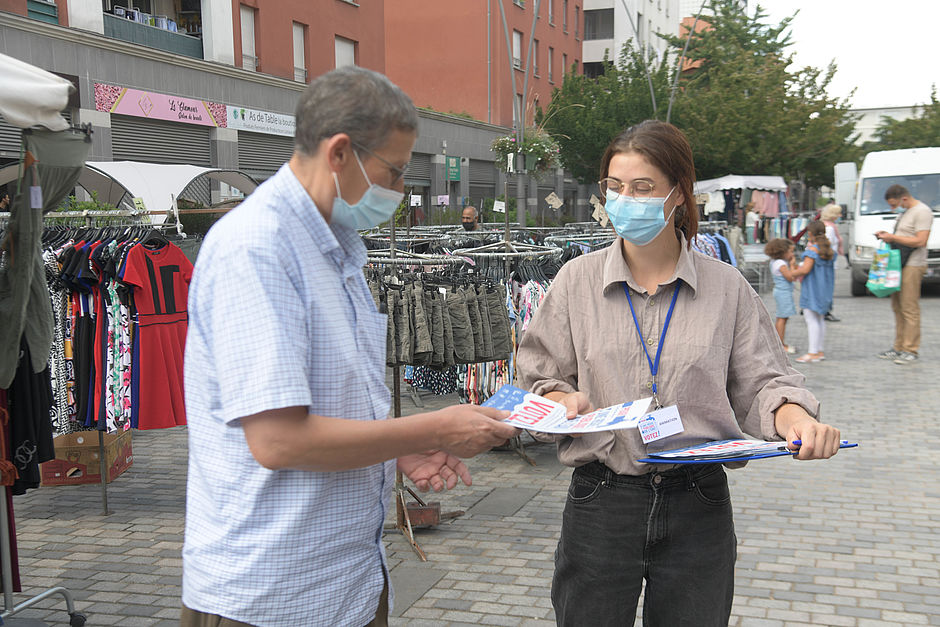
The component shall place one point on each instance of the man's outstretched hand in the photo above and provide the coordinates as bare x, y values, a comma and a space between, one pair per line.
435, 470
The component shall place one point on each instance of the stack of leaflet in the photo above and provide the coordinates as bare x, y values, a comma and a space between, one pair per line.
721, 451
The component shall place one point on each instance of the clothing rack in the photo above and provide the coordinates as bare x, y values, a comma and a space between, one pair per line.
76, 619
402, 518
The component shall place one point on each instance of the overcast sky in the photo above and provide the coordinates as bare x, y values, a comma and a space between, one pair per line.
887, 49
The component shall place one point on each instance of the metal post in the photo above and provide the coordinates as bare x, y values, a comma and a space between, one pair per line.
5, 553
103, 466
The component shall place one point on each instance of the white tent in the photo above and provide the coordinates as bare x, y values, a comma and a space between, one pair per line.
736, 181
31, 96
157, 184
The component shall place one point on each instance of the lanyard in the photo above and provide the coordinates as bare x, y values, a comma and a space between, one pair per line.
654, 365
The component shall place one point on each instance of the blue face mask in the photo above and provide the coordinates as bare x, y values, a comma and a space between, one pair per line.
637, 222
376, 206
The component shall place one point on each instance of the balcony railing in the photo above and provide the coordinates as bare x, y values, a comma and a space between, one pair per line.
152, 37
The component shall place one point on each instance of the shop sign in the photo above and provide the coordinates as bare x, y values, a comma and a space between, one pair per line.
147, 104
453, 168
244, 119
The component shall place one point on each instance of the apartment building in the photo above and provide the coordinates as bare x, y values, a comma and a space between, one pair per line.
216, 82
609, 24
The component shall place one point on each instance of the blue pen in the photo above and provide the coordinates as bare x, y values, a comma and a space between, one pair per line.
799, 442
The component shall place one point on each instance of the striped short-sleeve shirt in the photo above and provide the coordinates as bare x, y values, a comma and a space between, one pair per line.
281, 316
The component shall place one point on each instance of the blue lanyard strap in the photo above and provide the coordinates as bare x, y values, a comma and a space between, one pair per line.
654, 365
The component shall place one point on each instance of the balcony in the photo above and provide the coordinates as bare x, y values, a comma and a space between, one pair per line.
152, 37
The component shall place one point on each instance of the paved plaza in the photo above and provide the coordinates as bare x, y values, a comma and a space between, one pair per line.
850, 541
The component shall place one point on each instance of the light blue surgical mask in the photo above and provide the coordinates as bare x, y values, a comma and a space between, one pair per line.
376, 206
638, 222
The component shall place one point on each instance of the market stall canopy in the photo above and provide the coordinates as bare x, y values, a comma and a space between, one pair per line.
737, 181
157, 184
31, 96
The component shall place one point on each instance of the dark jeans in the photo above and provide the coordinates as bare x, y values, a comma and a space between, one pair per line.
674, 529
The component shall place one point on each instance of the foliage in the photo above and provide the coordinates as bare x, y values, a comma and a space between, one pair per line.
585, 114
743, 106
72, 203
536, 144
747, 109
917, 132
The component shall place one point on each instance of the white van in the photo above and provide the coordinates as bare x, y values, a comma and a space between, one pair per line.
917, 169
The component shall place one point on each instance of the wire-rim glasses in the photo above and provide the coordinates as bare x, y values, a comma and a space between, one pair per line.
640, 190
398, 173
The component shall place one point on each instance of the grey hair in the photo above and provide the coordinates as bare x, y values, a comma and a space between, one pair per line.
830, 212
353, 100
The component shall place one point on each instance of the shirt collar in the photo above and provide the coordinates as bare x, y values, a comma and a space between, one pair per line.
617, 271
339, 242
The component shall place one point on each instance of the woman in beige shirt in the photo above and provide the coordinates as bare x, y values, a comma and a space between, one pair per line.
599, 339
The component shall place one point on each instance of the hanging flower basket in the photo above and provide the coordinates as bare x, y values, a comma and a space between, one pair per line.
540, 150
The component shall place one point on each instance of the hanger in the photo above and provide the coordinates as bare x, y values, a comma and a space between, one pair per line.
154, 240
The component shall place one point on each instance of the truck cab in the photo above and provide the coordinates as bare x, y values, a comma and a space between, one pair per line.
917, 169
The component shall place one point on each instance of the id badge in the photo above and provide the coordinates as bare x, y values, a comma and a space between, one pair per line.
660, 424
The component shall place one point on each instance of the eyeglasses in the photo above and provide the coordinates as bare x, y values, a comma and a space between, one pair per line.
640, 191
398, 173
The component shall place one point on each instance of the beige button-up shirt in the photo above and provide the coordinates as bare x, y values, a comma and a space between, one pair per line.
722, 362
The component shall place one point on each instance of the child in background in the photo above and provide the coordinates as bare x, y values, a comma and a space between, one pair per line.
818, 268
782, 265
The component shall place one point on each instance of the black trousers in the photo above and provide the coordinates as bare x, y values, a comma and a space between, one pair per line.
672, 529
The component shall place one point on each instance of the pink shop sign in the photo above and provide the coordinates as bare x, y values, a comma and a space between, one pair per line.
147, 104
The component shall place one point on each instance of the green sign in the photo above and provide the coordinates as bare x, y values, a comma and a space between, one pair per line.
453, 168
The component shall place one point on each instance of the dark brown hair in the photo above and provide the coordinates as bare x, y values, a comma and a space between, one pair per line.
777, 248
667, 148
896, 192
817, 234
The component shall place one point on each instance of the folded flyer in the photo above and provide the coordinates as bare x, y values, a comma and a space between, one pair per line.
537, 413
719, 451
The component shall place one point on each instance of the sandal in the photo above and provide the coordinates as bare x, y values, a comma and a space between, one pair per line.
807, 358
789, 349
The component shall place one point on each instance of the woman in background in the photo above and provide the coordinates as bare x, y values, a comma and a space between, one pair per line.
818, 272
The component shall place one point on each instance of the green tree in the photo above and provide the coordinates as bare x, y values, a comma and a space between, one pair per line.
916, 132
744, 107
585, 114
747, 110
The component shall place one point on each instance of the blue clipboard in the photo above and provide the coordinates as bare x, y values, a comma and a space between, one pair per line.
657, 458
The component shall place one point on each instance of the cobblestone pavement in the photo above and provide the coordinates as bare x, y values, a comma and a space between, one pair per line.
851, 541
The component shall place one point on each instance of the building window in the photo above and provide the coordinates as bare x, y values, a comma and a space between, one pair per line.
599, 24
250, 59
577, 21
564, 64
593, 70
345, 52
564, 15
517, 111
551, 63
144, 6
299, 32
551, 12
535, 57
640, 31
517, 49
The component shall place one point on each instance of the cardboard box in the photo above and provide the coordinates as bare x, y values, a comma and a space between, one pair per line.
77, 458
